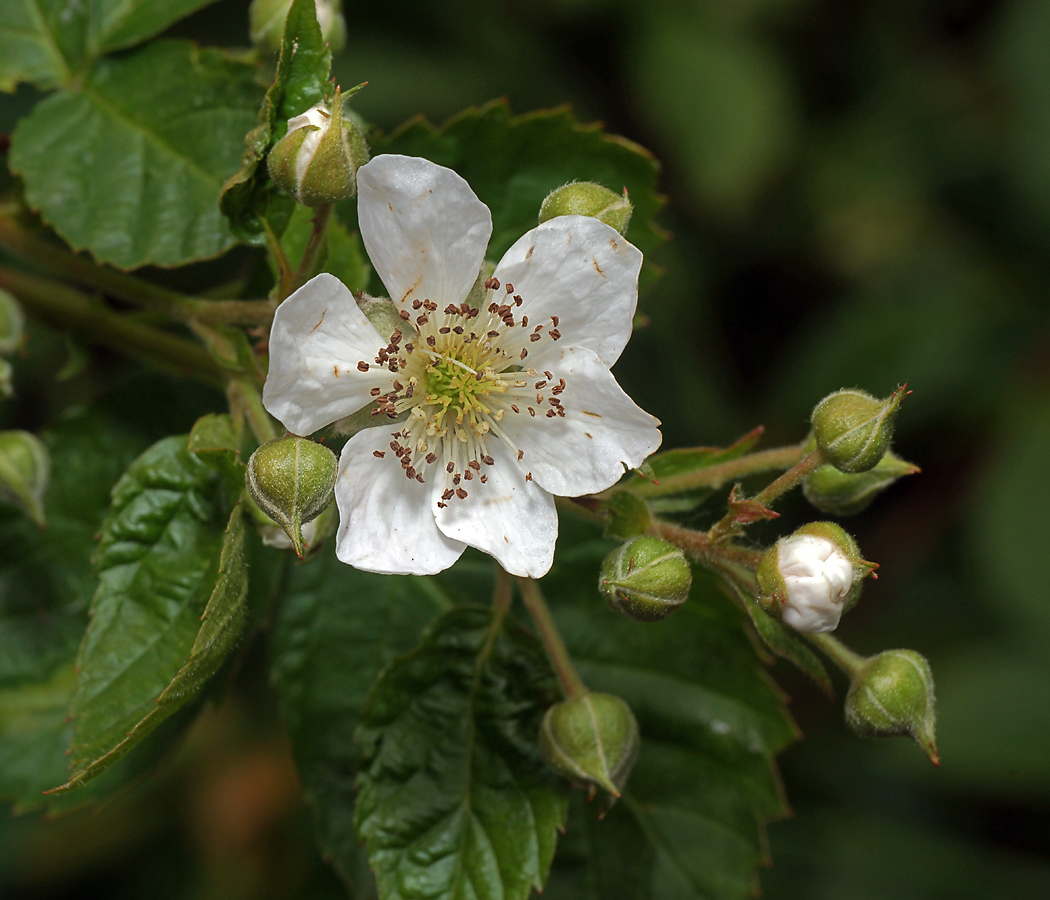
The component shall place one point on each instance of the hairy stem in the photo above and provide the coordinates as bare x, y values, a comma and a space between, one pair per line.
841, 655
570, 681
314, 245
64, 308
22, 241
779, 486
717, 475
285, 277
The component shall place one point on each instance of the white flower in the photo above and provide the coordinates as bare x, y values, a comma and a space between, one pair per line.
818, 577
508, 399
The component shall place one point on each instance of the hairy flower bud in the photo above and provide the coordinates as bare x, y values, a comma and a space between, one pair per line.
25, 467
593, 739
892, 694
317, 160
584, 198
11, 323
267, 18
841, 494
808, 580
854, 429
646, 579
292, 480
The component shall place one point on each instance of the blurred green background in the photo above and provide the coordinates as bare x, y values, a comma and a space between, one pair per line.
858, 195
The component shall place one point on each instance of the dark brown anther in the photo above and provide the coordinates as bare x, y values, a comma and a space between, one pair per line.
450, 468
431, 340
458, 329
422, 320
521, 453
419, 477
554, 333
416, 304
444, 329
398, 386
532, 412
431, 458
468, 475
488, 460
475, 465
517, 300
462, 494
405, 314
554, 320
534, 337
484, 479
510, 288
375, 392
492, 334
456, 478
448, 495
379, 454
362, 366
524, 352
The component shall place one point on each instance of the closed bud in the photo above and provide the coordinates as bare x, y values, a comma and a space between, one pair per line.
317, 160
892, 694
592, 739
584, 198
11, 323
646, 579
808, 580
267, 18
854, 429
25, 467
292, 480
841, 494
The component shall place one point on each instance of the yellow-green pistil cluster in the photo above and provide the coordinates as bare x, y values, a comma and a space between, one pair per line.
459, 374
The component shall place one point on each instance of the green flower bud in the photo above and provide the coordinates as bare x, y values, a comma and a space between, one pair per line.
317, 160
808, 580
892, 694
841, 494
854, 429
646, 579
584, 198
267, 18
24, 470
12, 322
292, 480
385, 317
592, 739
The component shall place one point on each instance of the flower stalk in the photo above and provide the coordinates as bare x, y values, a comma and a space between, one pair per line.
717, 475
841, 655
314, 245
570, 681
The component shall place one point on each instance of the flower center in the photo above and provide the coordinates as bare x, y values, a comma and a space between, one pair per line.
458, 379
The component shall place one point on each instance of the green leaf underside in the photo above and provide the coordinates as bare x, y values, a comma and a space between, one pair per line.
48, 42
46, 582
131, 164
249, 197
158, 565
690, 824
683, 461
784, 643
455, 801
513, 162
333, 632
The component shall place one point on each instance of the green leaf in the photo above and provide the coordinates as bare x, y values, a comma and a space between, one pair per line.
690, 824
455, 801
333, 632
130, 164
249, 199
216, 441
668, 482
46, 582
513, 162
48, 42
158, 567
626, 515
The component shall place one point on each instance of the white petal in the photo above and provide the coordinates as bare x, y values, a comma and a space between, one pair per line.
509, 518
424, 229
582, 271
385, 519
318, 337
602, 431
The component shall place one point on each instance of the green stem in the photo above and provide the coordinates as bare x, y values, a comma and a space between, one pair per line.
702, 548
21, 241
838, 653
502, 594
284, 268
314, 245
717, 475
244, 399
792, 477
570, 681
67, 308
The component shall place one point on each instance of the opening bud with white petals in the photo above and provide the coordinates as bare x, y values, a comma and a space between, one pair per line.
808, 580
853, 429
591, 739
646, 579
317, 160
292, 480
892, 694
584, 198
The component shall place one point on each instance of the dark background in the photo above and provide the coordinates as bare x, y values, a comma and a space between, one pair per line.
858, 195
